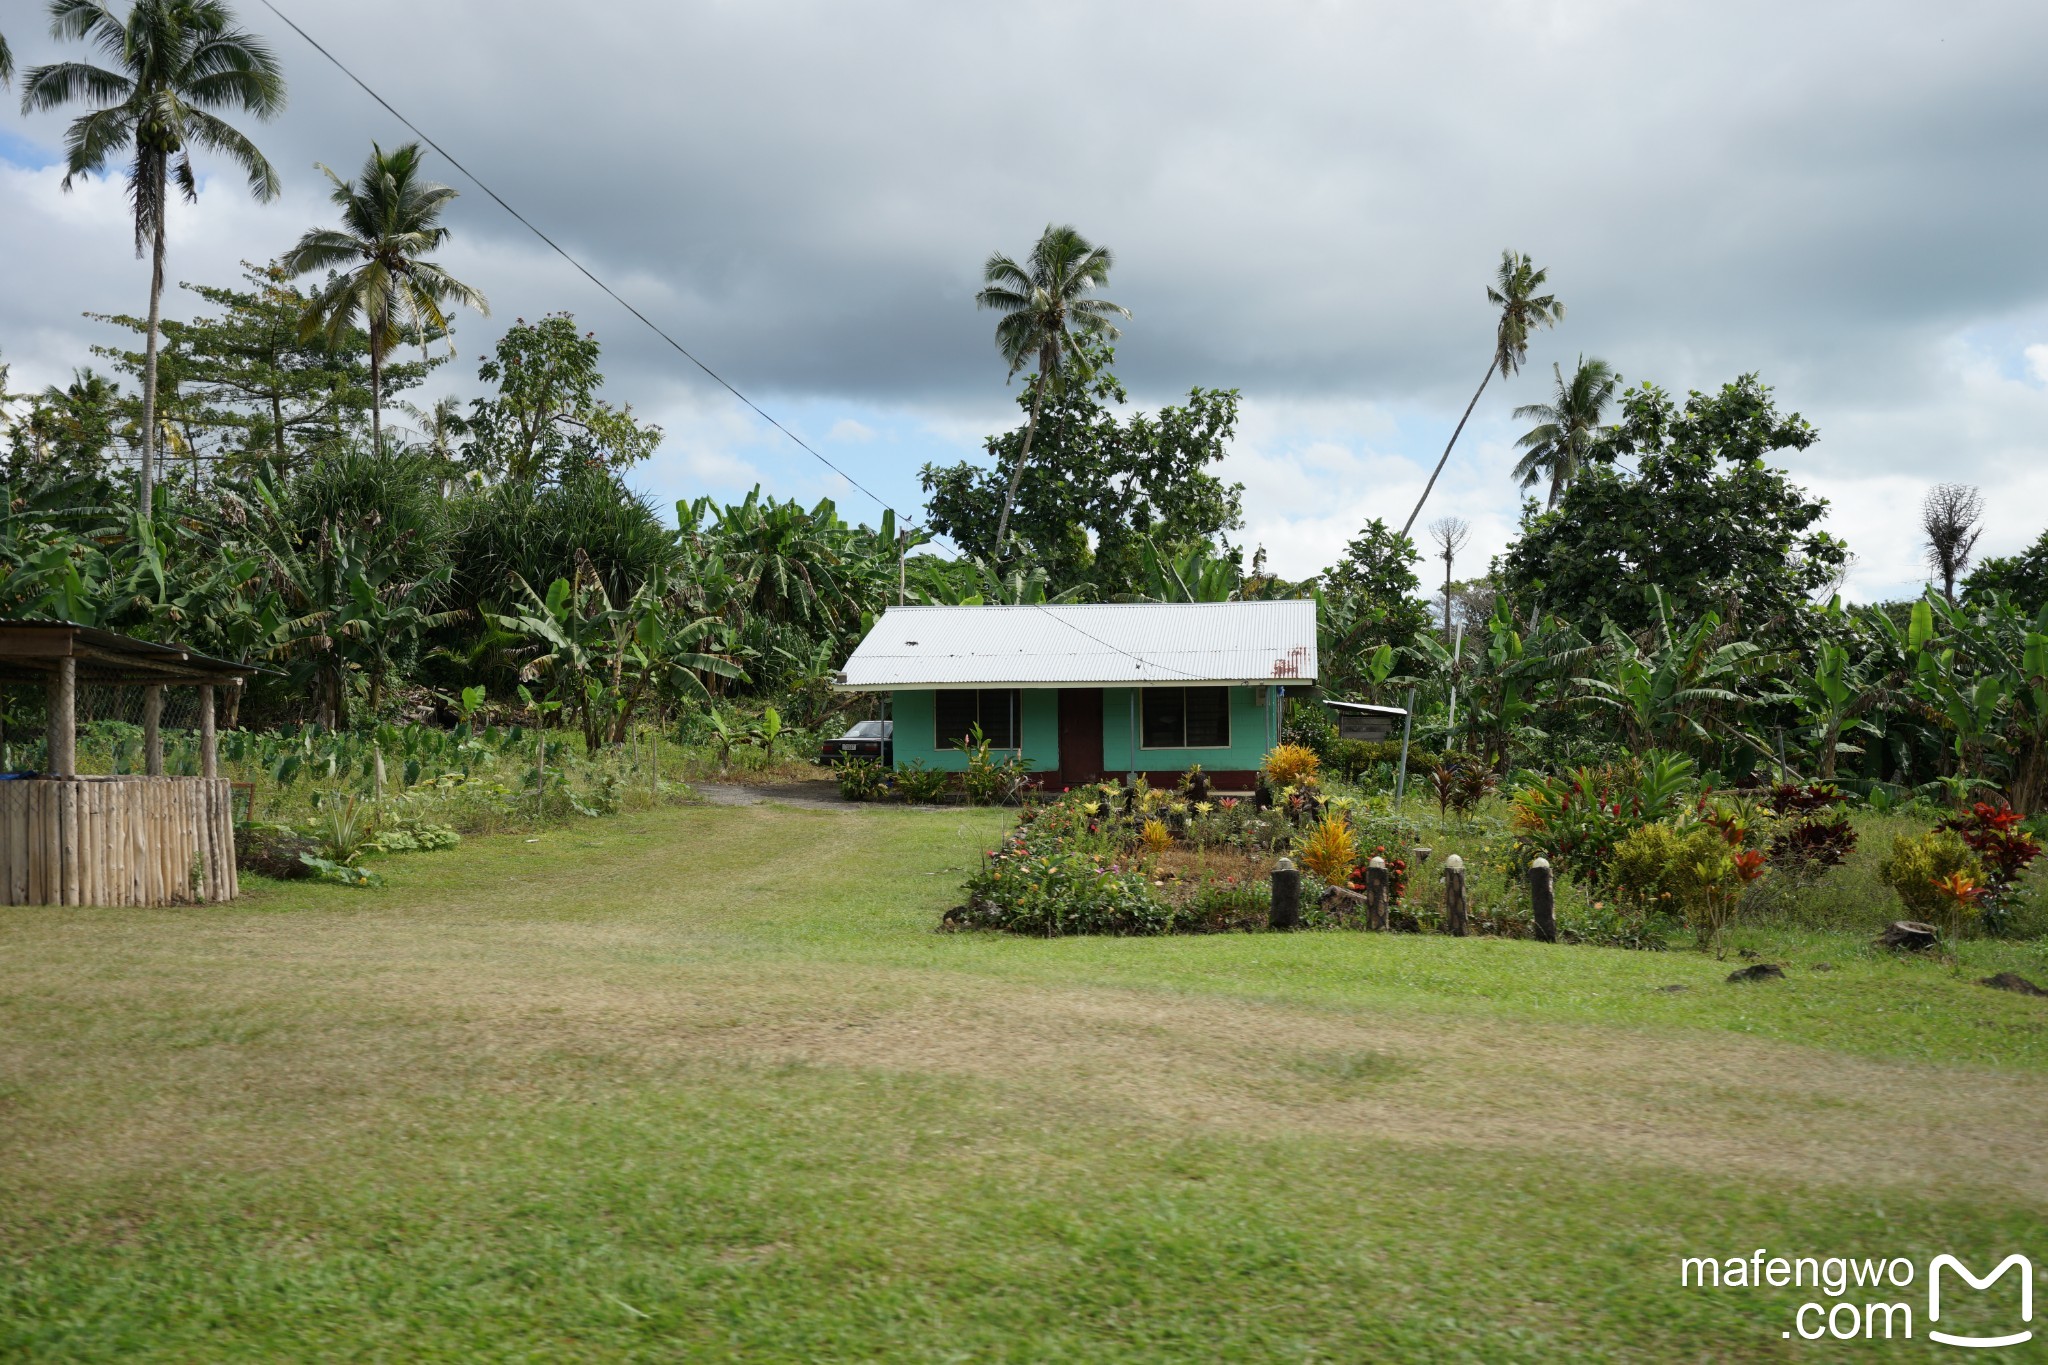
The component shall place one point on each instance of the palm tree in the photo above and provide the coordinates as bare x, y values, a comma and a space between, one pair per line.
391, 219
1568, 427
1045, 307
173, 62
1522, 310
6, 61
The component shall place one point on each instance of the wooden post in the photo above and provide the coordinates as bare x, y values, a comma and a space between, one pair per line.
1376, 888
1286, 895
1454, 895
1543, 900
209, 746
152, 730
62, 726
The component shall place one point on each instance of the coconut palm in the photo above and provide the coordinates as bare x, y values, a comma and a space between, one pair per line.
6, 61
1522, 310
173, 61
1046, 304
1568, 426
391, 219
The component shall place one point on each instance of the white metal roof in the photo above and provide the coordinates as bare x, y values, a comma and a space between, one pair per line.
1111, 644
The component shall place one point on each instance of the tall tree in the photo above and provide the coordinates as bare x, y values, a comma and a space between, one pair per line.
1522, 310
1046, 303
1103, 487
1568, 426
547, 421
377, 259
1450, 535
1701, 515
1949, 517
174, 61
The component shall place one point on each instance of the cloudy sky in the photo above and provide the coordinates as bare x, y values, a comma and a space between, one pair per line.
1306, 201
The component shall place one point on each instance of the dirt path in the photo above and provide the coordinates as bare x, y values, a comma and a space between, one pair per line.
807, 796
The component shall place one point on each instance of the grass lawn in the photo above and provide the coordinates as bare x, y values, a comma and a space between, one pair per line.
704, 1083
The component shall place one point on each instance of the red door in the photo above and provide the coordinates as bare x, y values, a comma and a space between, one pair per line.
1080, 735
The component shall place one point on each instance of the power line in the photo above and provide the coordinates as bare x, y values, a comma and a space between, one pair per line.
582, 269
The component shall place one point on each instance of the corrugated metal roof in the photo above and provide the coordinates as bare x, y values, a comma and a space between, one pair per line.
1110, 644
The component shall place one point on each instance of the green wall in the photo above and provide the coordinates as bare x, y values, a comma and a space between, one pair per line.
917, 724
1247, 737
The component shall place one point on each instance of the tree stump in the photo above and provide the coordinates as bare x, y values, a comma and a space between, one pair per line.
1454, 895
1286, 895
1376, 886
1543, 900
1911, 935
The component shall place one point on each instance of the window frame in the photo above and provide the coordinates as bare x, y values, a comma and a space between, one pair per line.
1229, 727
942, 744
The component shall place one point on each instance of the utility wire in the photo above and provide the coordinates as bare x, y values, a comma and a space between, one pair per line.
582, 269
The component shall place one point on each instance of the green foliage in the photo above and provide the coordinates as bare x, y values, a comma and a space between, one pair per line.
991, 781
1367, 605
1577, 820
1098, 490
346, 826
920, 785
341, 874
861, 779
546, 422
1919, 864
1683, 499
1689, 868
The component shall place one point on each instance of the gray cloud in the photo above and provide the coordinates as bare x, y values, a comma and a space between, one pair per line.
1307, 199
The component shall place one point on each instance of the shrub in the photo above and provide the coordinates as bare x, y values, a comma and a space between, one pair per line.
1060, 891
1329, 849
2005, 848
1156, 837
862, 779
344, 828
1578, 819
920, 785
1290, 765
1692, 869
1924, 869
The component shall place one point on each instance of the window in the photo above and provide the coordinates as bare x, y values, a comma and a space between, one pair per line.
994, 709
1186, 718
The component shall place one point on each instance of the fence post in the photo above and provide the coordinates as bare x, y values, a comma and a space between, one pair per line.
1286, 895
1376, 893
209, 742
1454, 895
152, 730
1543, 900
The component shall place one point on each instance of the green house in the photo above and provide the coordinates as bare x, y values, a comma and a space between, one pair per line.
1091, 692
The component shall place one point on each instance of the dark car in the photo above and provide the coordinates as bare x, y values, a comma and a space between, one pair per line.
870, 739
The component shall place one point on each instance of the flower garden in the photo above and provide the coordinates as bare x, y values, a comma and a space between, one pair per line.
1645, 854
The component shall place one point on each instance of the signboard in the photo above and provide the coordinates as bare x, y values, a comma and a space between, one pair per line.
1364, 725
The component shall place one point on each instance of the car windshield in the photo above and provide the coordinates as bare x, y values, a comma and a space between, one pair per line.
867, 729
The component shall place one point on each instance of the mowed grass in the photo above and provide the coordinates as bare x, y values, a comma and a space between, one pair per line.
705, 1083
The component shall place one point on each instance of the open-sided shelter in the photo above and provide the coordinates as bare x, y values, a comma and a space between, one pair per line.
129, 839
1092, 692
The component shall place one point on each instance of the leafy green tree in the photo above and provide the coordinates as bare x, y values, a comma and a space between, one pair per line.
1683, 499
546, 420
174, 63
377, 263
1102, 487
1377, 574
1568, 426
2022, 577
67, 433
1046, 304
247, 380
1522, 310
